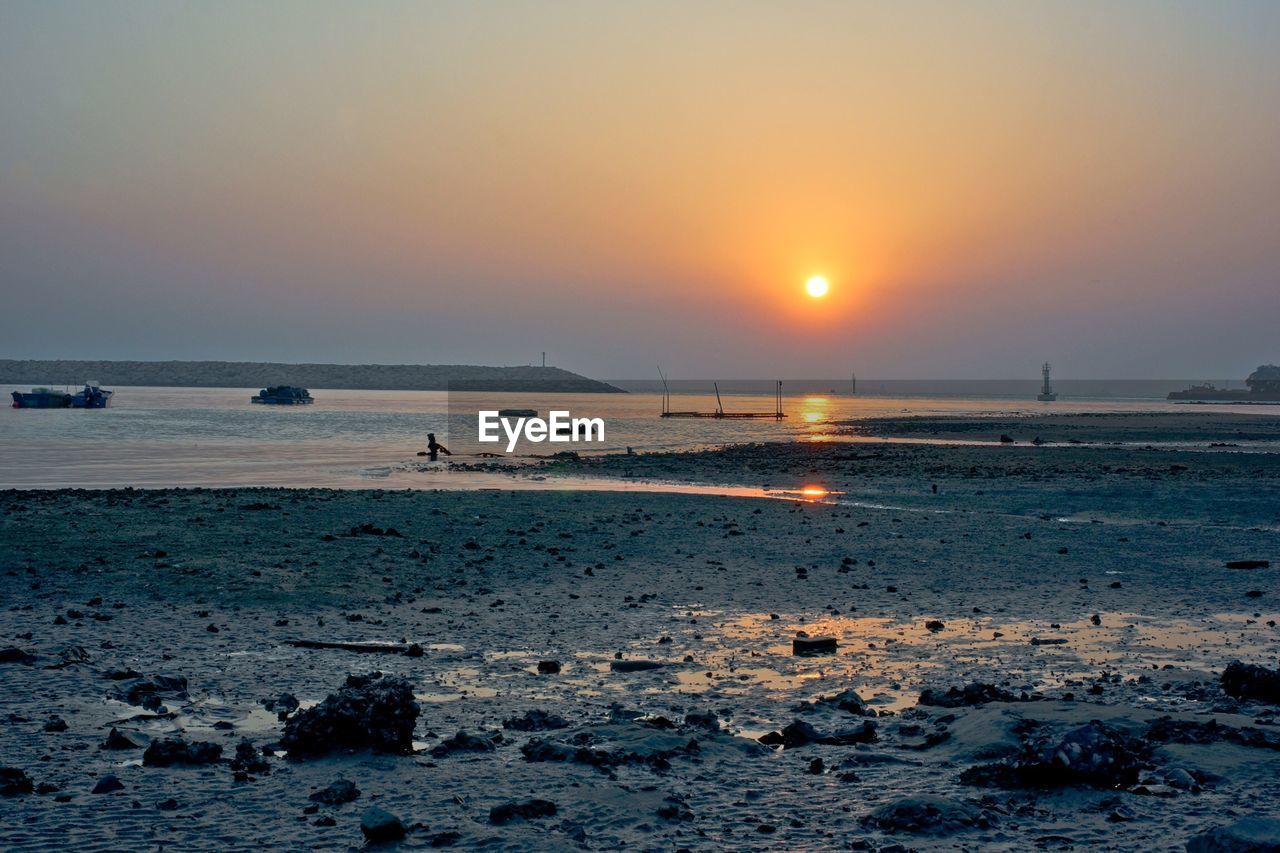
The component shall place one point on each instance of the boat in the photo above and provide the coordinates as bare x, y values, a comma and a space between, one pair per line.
41, 398
92, 396
517, 413
1047, 394
283, 395
1263, 387
1208, 391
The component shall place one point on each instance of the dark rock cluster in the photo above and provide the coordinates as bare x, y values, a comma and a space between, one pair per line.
368, 712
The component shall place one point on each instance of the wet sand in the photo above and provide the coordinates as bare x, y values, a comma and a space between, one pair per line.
1202, 424
1112, 559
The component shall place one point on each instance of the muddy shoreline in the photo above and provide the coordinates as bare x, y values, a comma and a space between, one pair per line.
1079, 584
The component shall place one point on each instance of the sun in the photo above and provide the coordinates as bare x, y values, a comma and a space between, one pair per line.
816, 287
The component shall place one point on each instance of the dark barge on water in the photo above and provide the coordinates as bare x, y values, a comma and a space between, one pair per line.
1264, 387
283, 395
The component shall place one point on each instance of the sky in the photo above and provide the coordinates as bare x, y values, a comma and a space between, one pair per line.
985, 185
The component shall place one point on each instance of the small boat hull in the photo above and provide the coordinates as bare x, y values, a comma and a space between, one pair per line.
41, 398
93, 398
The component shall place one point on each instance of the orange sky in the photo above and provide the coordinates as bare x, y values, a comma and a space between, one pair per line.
985, 185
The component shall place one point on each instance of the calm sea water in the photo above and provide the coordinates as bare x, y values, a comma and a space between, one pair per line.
216, 437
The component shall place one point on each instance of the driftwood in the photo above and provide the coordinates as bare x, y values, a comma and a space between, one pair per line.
370, 648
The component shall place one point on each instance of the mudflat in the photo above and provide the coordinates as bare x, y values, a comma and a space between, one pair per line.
1030, 649
1200, 424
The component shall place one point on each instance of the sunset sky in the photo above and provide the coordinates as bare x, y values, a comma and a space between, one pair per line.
983, 185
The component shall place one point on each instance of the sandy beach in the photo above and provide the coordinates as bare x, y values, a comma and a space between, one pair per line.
1078, 599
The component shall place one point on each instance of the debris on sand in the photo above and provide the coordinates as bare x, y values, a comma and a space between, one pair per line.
445, 839
341, 791
151, 692
248, 760
634, 665
364, 648
925, 815
115, 740
1169, 730
463, 742
107, 784
526, 810
367, 529
1095, 755
1250, 681
1248, 564
813, 645
14, 781
284, 705
171, 751
535, 721
800, 733
621, 745
1247, 835
70, 656
846, 700
368, 712
13, 654
976, 693
548, 667
379, 826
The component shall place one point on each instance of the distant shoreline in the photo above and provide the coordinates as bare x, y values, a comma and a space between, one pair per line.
245, 374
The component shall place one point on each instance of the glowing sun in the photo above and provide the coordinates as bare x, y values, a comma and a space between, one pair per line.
816, 287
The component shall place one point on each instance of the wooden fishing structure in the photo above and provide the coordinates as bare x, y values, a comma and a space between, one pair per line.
777, 413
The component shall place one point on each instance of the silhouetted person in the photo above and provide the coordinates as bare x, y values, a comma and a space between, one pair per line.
434, 448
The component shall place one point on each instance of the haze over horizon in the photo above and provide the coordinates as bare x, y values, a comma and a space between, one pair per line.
985, 186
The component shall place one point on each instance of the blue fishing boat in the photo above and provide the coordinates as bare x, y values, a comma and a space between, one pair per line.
283, 395
92, 396
41, 398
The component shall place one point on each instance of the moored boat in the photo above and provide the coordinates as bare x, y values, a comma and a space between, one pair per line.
283, 395
92, 396
41, 398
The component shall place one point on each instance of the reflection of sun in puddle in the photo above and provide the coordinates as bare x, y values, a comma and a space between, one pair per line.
455, 684
888, 660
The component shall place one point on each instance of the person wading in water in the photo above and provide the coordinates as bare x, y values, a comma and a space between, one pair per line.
435, 448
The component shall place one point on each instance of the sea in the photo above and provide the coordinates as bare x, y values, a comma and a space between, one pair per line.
214, 437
